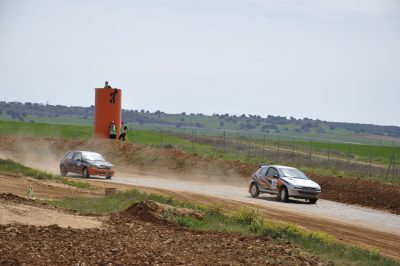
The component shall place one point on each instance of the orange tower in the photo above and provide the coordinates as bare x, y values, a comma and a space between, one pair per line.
107, 108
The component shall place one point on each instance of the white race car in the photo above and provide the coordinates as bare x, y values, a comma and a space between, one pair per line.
284, 182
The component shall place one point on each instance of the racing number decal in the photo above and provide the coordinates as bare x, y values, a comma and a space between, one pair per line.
273, 184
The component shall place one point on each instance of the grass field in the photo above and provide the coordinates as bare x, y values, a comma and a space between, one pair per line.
290, 129
44, 130
244, 221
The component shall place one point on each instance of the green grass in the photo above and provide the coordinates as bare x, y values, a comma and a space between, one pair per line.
244, 221
379, 154
66, 120
247, 221
44, 130
212, 122
9, 166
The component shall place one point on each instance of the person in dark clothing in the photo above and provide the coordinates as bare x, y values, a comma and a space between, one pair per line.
106, 85
112, 95
124, 129
113, 130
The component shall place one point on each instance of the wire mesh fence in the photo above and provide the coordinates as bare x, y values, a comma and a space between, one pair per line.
335, 156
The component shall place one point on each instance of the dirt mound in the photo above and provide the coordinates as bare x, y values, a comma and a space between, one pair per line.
151, 211
148, 211
142, 243
14, 198
6, 198
360, 191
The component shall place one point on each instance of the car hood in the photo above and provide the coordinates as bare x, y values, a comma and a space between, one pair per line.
301, 182
100, 163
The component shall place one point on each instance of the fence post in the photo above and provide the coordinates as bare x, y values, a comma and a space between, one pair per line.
348, 160
329, 151
263, 148
370, 161
192, 139
293, 154
237, 144
224, 141
195, 134
249, 144
293, 146
277, 152
161, 140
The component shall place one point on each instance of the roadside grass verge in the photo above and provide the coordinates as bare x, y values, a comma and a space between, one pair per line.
9, 166
243, 221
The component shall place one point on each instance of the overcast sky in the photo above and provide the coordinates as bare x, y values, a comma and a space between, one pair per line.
332, 60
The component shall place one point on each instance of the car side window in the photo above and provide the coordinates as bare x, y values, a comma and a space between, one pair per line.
263, 171
77, 156
269, 173
272, 172
69, 155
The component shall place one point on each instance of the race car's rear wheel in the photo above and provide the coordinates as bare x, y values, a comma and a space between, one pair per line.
254, 190
63, 170
108, 177
283, 194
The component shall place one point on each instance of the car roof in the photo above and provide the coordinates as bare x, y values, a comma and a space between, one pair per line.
277, 166
85, 152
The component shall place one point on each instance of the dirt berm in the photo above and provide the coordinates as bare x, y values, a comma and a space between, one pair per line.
129, 240
151, 211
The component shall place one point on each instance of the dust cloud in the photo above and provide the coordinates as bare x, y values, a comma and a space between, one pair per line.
45, 154
38, 154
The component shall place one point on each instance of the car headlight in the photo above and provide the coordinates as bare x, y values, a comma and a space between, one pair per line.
298, 187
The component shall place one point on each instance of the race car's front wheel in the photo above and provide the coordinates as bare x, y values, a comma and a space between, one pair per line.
63, 170
283, 194
85, 173
313, 201
254, 190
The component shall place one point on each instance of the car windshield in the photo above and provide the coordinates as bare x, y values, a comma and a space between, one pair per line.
93, 157
294, 173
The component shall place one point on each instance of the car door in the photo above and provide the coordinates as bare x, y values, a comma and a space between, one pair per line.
76, 163
271, 178
67, 162
260, 178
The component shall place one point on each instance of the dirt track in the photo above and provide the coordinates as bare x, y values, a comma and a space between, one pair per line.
130, 239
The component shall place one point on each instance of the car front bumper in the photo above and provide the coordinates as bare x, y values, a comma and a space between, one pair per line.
304, 194
101, 172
